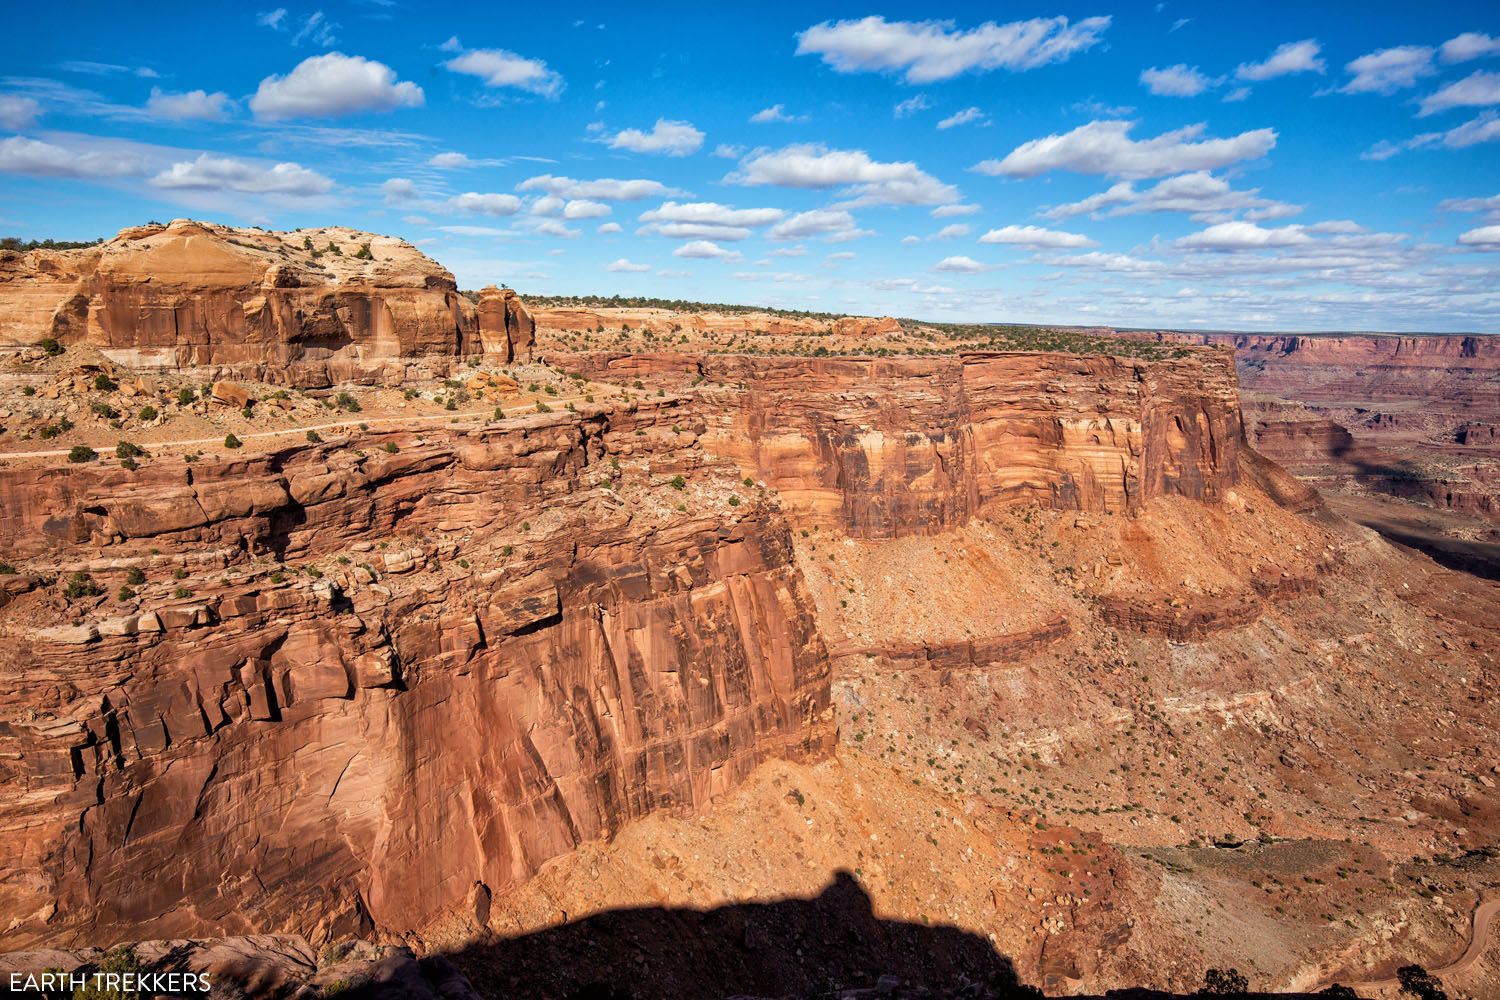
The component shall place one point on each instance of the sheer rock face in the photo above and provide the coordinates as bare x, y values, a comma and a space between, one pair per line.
306, 307
885, 448
337, 756
505, 326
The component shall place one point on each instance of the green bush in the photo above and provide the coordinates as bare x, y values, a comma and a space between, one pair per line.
104, 383
147, 414
347, 403
80, 584
126, 449
391, 447
119, 960
678, 483
734, 501
136, 576
230, 441
125, 594
6, 569
314, 437
185, 396
182, 592
81, 453
50, 346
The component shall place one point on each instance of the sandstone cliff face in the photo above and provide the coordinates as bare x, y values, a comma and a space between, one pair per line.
886, 448
283, 305
530, 663
563, 319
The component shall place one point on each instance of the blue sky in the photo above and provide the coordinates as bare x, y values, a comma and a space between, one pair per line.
1248, 166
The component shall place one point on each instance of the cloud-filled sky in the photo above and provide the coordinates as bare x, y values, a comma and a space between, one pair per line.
1287, 166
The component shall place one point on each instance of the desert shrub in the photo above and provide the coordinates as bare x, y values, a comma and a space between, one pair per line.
81, 453
136, 576
314, 437
230, 441
147, 413
50, 346
1224, 983
1418, 982
185, 396
79, 585
347, 403
126, 449
678, 483
104, 383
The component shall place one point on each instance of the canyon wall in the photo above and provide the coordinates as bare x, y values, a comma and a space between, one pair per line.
251, 743
882, 448
308, 307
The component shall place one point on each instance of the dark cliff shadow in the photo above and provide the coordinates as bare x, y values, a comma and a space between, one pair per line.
786, 948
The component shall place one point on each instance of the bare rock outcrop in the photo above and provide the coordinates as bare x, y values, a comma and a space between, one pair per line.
311, 306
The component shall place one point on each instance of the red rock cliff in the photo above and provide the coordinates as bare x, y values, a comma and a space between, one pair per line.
525, 662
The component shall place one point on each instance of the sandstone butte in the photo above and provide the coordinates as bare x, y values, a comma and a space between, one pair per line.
750, 675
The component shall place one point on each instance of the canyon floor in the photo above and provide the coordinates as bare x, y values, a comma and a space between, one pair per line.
705, 653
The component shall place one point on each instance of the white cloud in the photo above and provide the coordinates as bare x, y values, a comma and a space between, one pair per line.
625, 266
17, 112
476, 231
842, 255
667, 137
836, 225
705, 250
610, 227
925, 51
959, 265
706, 220
911, 106
1389, 70
775, 113
1244, 236
603, 189
450, 161
582, 208
1478, 89
332, 85
195, 105
19, 155
1202, 195
552, 227
485, 204
1486, 206
1105, 147
1175, 81
964, 117
1484, 128
318, 29
399, 191
1036, 236
501, 68
867, 181
1293, 57
214, 173
1469, 45
1483, 238
273, 19
952, 231
951, 211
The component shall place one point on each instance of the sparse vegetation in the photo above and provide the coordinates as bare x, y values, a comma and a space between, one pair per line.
81, 453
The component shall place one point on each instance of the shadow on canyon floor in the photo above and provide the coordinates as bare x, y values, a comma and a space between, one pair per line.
828, 946
790, 947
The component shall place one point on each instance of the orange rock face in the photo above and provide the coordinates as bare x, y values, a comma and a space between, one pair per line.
310, 307
527, 665
886, 448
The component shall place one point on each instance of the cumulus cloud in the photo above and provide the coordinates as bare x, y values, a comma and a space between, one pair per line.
1293, 57
925, 51
552, 227
1105, 147
706, 220
603, 189
866, 181
1175, 81
705, 250
626, 266
458, 161
1484, 128
19, 155
964, 117
1483, 238
194, 105
959, 265
609, 228
835, 225
1469, 45
479, 203
502, 68
1485, 206
668, 137
1036, 236
17, 112
332, 85
1478, 89
952, 231
1244, 236
1388, 70
399, 191
583, 208
214, 173
775, 113
1199, 193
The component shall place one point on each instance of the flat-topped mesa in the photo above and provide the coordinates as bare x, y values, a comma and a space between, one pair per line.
885, 448
308, 307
